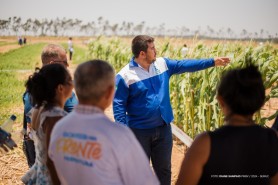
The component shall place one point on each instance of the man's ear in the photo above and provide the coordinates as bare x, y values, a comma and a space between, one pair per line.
142, 54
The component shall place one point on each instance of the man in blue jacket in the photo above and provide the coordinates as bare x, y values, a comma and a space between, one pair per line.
142, 100
52, 53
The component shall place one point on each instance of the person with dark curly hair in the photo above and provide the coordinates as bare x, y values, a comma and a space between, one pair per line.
49, 88
51, 53
240, 152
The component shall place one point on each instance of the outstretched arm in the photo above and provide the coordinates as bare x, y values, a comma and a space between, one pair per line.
192, 65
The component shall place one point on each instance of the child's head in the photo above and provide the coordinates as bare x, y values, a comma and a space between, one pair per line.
242, 90
94, 83
49, 84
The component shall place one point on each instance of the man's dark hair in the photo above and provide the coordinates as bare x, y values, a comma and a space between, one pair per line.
242, 90
140, 43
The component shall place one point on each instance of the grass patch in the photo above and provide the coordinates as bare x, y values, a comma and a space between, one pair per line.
12, 81
4, 43
12, 89
80, 54
26, 57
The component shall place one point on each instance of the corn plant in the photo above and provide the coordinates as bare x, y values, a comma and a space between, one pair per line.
193, 95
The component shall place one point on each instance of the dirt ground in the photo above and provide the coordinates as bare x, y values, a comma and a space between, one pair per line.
13, 164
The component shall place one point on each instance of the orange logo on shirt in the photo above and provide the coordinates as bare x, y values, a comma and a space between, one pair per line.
87, 149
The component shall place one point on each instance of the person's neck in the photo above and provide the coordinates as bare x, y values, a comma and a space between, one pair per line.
239, 120
94, 104
145, 65
59, 104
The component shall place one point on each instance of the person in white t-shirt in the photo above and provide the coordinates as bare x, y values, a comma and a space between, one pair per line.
70, 47
87, 147
184, 50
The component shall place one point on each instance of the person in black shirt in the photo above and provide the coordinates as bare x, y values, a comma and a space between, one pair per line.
240, 152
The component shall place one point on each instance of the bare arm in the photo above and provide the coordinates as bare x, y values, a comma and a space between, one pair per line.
48, 126
194, 161
274, 179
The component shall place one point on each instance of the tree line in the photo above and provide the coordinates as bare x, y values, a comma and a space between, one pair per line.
76, 27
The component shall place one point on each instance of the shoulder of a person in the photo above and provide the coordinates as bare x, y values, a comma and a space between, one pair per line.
201, 142
200, 148
202, 138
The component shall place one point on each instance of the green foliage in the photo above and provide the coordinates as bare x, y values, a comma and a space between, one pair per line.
111, 50
80, 54
15, 67
25, 57
193, 95
12, 88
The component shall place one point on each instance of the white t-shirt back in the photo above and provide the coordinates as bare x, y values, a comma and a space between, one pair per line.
88, 148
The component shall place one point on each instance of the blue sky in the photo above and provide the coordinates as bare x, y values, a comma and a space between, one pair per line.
252, 15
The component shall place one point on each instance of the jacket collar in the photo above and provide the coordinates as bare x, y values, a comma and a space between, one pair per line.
132, 63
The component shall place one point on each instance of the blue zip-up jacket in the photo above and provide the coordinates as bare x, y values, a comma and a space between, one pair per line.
142, 98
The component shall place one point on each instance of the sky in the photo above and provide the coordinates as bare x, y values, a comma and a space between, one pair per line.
252, 15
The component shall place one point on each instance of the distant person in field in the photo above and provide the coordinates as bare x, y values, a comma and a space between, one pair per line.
20, 41
70, 48
184, 50
49, 88
241, 152
24, 40
87, 147
142, 99
52, 53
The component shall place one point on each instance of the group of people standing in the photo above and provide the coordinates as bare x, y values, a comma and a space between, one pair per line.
21, 40
80, 145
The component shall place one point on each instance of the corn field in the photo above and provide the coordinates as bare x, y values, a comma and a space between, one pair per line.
193, 95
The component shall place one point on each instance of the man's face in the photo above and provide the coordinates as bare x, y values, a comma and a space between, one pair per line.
151, 53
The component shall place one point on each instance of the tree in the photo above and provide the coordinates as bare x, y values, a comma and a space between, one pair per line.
36, 25
138, 29
16, 24
27, 26
114, 29
244, 33
43, 26
4, 25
